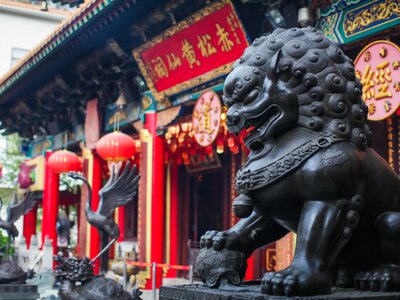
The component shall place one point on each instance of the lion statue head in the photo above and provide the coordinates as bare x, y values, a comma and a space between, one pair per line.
295, 78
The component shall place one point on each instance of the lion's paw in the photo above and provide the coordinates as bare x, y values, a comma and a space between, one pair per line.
382, 278
219, 240
294, 281
206, 241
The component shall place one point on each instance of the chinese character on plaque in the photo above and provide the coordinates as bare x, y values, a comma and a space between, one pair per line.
377, 68
193, 51
206, 118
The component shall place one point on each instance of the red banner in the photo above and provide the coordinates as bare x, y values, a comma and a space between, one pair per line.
194, 51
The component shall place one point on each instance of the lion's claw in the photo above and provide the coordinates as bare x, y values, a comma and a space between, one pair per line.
379, 279
215, 239
206, 240
286, 282
219, 240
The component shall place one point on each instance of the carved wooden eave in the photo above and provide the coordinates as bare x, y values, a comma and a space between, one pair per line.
64, 45
88, 56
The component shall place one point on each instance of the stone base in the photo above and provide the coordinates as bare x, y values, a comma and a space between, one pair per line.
18, 292
252, 292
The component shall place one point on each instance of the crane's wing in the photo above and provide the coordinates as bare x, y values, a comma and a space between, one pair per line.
18, 209
119, 190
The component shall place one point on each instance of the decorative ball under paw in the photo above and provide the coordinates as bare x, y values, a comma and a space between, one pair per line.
243, 206
215, 266
95, 289
10, 272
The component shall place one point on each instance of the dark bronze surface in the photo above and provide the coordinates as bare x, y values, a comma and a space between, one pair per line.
310, 170
14, 212
252, 292
76, 274
120, 189
10, 272
18, 292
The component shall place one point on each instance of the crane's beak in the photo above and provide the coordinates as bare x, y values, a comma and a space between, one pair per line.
73, 175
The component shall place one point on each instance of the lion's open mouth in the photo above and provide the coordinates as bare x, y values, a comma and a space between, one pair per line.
256, 128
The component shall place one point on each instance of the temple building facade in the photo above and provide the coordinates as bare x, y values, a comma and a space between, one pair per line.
154, 70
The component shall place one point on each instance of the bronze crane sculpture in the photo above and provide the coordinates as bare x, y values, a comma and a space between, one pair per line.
119, 190
76, 274
14, 212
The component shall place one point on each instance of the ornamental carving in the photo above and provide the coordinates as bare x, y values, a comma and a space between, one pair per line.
206, 118
377, 67
359, 20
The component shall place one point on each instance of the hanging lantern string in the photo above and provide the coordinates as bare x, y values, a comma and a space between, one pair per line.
65, 140
118, 119
116, 122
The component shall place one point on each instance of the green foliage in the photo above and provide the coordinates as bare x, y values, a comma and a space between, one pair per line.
11, 158
69, 184
3, 242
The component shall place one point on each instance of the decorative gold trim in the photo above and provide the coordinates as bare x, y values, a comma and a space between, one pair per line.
362, 52
37, 162
375, 12
270, 259
146, 137
224, 69
116, 217
144, 275
390, 139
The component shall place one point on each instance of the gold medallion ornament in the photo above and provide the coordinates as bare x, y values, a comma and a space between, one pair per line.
377, 67
206, 118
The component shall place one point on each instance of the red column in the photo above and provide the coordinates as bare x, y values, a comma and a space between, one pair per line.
50, 204
250, 268
95, 175
157, 200
121, 223
30, 225
174, 230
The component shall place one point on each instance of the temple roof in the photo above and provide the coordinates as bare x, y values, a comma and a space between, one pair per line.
87, 56
22, 7
85, 14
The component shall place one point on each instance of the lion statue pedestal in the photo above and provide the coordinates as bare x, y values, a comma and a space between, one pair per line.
310, 171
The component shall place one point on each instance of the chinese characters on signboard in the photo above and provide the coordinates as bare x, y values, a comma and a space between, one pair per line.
206, 118
194, 51
378, 68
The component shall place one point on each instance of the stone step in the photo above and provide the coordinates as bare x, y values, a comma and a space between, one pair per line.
18, 292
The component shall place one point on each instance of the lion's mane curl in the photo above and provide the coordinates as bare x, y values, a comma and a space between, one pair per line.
316, 69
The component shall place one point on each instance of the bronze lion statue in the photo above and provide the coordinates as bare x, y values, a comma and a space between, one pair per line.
310, 171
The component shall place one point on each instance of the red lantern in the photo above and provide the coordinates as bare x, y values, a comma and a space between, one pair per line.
209, 149
220, 145
235, 149
185, 157
64, 161
116, 146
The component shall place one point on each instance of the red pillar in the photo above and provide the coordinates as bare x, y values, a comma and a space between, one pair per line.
95, 177
30, 225
250, 268
121, 223
174, 229
50, 204
157, 199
